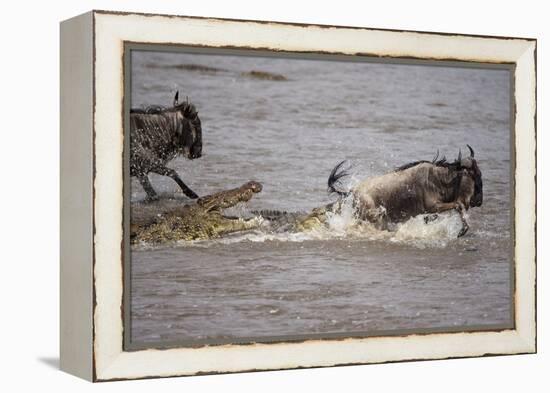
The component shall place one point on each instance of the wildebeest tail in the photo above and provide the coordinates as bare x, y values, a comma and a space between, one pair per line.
335, 179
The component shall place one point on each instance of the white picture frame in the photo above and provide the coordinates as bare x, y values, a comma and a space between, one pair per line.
92, 194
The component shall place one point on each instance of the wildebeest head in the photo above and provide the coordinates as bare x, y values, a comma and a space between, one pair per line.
190, 132
472, 174
466, 184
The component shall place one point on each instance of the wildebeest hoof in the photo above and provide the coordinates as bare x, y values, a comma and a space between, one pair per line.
430, 218
463, 230
151, 198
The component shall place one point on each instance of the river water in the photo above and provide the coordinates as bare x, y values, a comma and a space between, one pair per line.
288, 135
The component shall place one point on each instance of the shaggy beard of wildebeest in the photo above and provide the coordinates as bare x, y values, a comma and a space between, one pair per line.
158, 135
420, 187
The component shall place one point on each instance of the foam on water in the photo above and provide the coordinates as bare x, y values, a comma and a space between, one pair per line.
438, 233
415, 232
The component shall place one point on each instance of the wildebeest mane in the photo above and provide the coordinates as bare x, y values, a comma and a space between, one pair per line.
149, 110
187, 109
440, 162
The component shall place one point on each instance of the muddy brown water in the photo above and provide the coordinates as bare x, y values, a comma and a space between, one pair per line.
288, 134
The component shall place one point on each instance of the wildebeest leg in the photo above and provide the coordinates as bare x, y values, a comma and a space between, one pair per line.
465, 225
146, 184
367, 210
174, 175
442, 207
376, 216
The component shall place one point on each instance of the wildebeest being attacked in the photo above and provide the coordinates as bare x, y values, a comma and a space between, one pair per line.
420, 187
158, 135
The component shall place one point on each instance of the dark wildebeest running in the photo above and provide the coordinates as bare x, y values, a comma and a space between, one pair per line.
420, 187
158, 135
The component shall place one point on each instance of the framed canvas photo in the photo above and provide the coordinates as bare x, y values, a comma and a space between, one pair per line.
246, 195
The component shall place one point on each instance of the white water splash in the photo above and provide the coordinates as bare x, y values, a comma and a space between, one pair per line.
438, 233
341, 222
416, 231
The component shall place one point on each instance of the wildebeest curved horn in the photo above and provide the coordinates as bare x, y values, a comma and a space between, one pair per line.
436, 157
471, 151
176, 97
459, 155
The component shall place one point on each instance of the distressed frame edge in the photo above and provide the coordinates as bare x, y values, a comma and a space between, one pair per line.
525, 339
305, 25
525, 192
76, 206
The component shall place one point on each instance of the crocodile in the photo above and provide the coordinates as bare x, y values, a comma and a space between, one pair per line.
283, 221
201, 220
